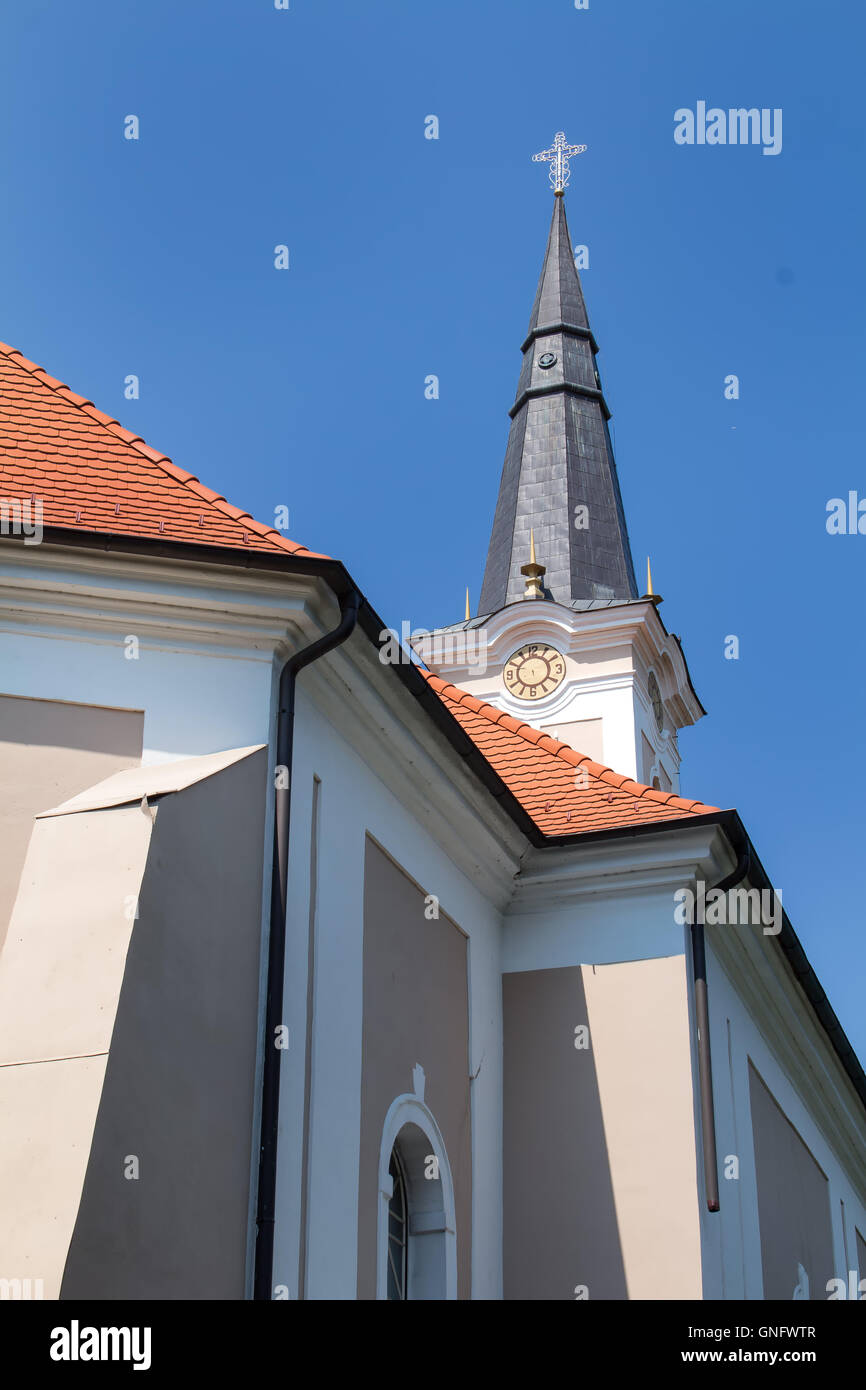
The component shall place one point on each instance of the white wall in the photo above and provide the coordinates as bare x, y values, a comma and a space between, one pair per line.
193, 702
596, 929
206, 679
354, 800
731, 1237
203, 672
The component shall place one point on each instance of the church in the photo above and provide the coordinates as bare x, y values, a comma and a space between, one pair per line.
340, 968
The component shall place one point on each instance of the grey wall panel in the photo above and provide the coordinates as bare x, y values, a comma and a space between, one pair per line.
793, 1202
416, 1010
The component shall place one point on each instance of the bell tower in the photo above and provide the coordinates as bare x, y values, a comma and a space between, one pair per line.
563, 640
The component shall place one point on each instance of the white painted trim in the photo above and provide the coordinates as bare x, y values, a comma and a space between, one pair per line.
636, 625
618, 868
410, 1110
560, 701
411, 758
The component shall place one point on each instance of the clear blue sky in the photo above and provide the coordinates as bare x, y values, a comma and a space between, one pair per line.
409, 257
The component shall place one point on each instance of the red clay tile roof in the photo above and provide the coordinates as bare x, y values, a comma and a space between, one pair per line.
93, 474
542, 773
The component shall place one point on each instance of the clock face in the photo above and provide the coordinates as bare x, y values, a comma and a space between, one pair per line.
534, 671
655, 695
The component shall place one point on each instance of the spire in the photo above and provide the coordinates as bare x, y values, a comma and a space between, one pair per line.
559, 298
559, 476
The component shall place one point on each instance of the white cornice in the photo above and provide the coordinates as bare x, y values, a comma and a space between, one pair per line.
547, 708
99, 597
621, 867
381, 720
576, 633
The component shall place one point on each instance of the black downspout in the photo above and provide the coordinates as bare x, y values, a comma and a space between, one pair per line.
702, 1020
267, 1185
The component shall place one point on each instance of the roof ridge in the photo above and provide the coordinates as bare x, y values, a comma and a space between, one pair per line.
556, 748
135, 442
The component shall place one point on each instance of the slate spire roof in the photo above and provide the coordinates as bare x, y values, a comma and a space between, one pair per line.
559, 456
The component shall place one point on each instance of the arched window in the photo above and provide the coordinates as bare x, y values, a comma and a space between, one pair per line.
417, 1239
398, 1232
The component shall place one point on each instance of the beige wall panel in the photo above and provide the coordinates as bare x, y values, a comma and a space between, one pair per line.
48, 1111
416, 1009
639, 1025
172, 996
180, 1082
50, 750
600, 1184
61, 969
793, 1202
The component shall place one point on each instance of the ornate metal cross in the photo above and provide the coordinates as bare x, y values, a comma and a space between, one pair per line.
557, 157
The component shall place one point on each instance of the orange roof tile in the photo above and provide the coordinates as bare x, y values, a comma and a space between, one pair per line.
92, 473
543, 773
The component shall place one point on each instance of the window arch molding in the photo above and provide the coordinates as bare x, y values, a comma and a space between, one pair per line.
432, 1272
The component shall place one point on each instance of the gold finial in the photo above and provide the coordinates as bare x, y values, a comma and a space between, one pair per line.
533, 572
468, 614
650, 594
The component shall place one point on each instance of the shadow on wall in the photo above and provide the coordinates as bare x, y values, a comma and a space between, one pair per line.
165, 1202
416, 1011
600, 1162
560, 1223
793, 1204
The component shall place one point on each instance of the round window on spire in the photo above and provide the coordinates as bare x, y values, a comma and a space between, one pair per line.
547, 359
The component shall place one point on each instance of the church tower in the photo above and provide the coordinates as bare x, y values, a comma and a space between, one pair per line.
563, 640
